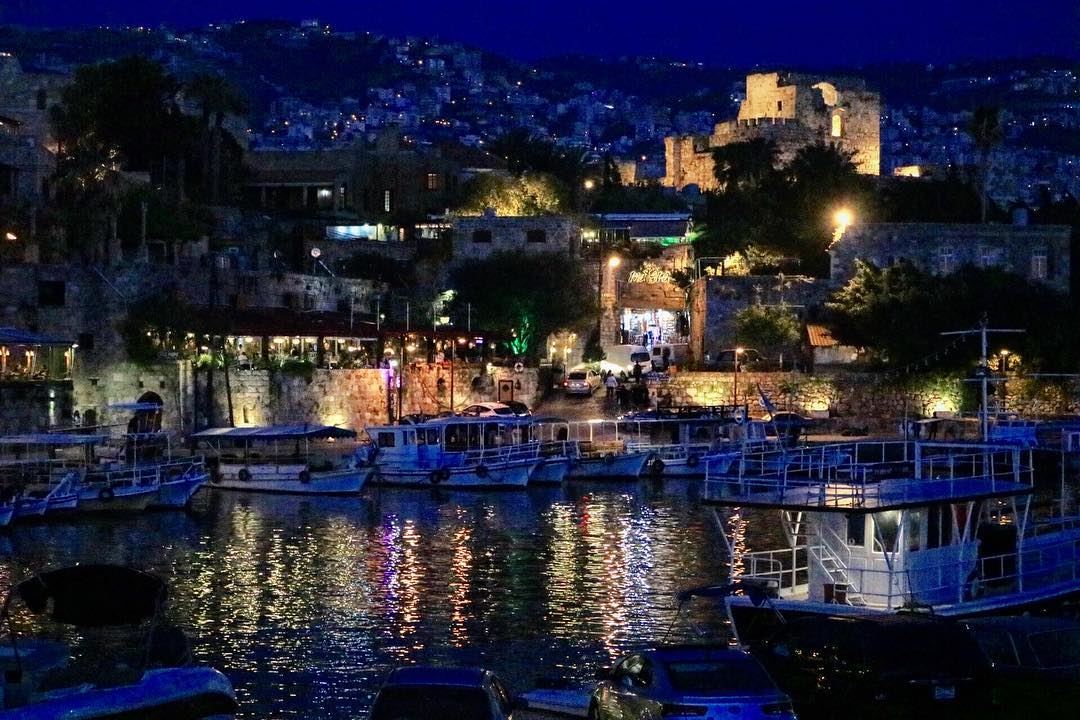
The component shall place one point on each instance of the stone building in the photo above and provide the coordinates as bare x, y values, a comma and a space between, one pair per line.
476, 237
1038, 252
793, 110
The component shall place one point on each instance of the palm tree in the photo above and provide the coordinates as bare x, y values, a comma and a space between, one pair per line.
985, 131
744, 165
216, 98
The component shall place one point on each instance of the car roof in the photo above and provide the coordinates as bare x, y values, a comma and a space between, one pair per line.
436, 675
489, 405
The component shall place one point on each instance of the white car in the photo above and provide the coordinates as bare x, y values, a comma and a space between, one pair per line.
581, 382
488, 409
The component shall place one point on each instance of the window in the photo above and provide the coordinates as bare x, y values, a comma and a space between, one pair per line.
386, 439
481, 236
432, 181
779, 106
837, 125
387, 205
51, 293
856, 530
536, 236
946, 261
1039, 265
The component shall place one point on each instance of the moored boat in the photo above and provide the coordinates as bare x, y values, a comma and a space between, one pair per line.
300, 459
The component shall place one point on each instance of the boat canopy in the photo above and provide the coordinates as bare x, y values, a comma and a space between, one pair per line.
94, 595
54, 439
302, 431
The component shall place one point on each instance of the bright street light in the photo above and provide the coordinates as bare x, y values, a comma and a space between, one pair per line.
590, 184
614, 261
843, 217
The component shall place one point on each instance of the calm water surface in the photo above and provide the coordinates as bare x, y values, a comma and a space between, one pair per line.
306, 603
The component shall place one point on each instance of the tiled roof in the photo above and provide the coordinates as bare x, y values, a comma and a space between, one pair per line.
820, 336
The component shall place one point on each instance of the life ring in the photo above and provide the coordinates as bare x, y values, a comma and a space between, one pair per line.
692, 460
106, 493
304, 477
609, 459
740, 416
519, 367
244, 475
482, 471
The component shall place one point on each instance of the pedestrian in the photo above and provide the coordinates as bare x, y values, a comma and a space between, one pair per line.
610, 383
637, 373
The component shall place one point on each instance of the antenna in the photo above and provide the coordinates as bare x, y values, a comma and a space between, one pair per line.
983, 370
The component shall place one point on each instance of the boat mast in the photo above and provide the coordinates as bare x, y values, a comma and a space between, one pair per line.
984, 368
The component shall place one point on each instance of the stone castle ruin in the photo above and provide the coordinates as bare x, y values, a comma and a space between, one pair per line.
793, 110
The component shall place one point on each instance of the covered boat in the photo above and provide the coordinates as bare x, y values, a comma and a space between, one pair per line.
302, 459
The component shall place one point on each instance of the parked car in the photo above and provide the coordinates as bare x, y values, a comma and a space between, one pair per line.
416, 692
692, 681
488, 409
581, 382
749, 360
520, 409
882, 667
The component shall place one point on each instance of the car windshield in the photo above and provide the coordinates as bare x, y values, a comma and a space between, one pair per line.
640, 357
576, 376
423, 702
720, 677
503, 411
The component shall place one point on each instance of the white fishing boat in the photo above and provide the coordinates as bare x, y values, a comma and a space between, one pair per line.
596, 449
179, 480
879, 527
301, 459
457, 452
45, 471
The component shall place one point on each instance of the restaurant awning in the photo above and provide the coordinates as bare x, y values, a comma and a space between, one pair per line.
15, 336
275, 432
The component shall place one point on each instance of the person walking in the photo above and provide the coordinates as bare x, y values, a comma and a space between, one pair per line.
610, 382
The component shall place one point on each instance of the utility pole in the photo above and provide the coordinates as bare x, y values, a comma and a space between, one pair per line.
984, 367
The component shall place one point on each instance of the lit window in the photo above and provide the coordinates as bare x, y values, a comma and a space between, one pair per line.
837, 125
432, 181
989, 257
1039, 265
386, 205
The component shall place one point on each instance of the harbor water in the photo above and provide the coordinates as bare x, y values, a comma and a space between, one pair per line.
306, 603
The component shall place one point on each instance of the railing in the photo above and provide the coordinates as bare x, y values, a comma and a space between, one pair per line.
143, 475
776, 565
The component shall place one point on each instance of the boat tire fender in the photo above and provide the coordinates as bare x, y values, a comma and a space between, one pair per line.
304, 477
740, 416
609, 459
482, 471
106, 493
656, 467
244, 475
692, 460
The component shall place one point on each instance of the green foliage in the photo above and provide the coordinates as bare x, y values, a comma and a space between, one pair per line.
295, 367
784, 211
534, 194
532, 295
768, 329
898, 313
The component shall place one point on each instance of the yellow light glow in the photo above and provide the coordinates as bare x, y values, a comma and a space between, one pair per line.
843, 217
614, 261
590, 184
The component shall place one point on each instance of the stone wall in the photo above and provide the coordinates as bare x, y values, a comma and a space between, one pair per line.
27, 407
866, 400
560, 234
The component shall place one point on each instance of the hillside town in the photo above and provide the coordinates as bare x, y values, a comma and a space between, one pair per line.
254, 269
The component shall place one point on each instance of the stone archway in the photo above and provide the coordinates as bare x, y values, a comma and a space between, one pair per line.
147, 421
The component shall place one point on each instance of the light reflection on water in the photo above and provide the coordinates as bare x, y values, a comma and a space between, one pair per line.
306, 603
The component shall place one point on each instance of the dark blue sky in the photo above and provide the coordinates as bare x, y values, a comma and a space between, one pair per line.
736, 32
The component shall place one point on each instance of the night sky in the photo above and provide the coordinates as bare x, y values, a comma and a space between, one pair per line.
735, 32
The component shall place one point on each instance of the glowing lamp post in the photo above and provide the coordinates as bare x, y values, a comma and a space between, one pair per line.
738, 351
843, 218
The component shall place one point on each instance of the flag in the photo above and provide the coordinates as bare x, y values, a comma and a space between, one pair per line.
766, 404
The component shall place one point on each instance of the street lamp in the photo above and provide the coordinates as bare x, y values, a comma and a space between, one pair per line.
738, 351
1003, 366
589, 184
842, 219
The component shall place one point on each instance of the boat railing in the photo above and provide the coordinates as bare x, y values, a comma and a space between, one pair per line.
146, 474
788, 567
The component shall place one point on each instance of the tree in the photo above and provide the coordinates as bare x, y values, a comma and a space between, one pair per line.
986, 132
217, 99
743, 166
530, 194
769, 329
524, 297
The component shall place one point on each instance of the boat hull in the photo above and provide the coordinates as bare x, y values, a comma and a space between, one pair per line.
341, 482
7, 512
178, 493
30, 508
550, 471
122, 499
60, 504
610, 466
509, 475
